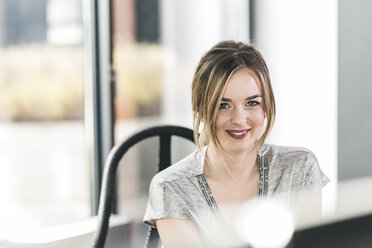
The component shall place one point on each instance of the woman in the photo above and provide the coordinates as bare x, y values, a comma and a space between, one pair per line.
234, 110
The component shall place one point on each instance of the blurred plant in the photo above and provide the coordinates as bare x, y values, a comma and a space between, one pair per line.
41, 82
139, 79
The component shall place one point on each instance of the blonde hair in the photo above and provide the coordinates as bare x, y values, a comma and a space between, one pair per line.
210, 79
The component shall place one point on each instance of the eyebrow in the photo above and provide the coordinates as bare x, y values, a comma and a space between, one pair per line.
248, 98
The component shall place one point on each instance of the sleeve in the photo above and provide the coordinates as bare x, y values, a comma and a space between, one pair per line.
163, 203
315, 179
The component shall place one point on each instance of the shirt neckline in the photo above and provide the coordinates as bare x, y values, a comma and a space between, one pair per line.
262, 187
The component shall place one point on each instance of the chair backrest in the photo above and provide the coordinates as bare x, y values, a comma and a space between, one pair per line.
165, 133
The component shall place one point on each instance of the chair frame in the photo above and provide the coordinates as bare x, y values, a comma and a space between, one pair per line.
165, 133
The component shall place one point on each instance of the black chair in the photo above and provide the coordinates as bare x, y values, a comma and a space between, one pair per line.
164, 133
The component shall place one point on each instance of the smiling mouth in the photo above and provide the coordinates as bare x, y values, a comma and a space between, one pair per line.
238, 134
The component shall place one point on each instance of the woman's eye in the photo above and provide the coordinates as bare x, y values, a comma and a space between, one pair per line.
252, 103
224, 105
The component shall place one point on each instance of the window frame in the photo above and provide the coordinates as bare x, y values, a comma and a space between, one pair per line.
99, 84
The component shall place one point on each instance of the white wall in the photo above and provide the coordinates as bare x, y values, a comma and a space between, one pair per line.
299, 41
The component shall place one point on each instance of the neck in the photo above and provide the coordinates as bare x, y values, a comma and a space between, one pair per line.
239, 164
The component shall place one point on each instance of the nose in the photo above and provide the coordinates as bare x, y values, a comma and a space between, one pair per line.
238, 116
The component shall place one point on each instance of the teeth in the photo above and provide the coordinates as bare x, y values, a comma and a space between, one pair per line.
240, 133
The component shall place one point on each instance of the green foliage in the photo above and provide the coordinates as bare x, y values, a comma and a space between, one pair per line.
41, 82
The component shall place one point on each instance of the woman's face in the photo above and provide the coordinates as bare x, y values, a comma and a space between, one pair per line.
240, 117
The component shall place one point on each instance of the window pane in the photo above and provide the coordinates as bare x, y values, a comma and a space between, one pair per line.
44, 173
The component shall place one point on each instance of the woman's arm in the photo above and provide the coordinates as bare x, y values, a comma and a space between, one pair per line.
178, 233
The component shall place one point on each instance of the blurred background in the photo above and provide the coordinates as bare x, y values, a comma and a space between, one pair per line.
78, 76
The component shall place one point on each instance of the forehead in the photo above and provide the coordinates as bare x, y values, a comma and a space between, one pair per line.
242, 83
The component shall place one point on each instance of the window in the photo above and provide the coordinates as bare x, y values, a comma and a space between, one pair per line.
44, 177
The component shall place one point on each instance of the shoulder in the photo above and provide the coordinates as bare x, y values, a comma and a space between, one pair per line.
189, 166
293, 169
287, 154
171, 189
289, 160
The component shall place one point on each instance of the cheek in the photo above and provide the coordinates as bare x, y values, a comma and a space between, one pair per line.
220, 121
258, 117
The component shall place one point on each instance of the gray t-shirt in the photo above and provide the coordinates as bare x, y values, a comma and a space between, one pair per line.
181, 191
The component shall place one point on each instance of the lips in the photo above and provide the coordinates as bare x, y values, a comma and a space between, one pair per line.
238, 134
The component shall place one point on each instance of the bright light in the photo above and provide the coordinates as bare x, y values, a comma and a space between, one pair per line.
264, 224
